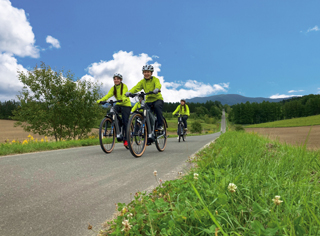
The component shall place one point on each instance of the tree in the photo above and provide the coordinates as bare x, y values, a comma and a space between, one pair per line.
53, 104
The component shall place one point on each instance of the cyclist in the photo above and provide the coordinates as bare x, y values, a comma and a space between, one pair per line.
154, 101
183, 109
118, 91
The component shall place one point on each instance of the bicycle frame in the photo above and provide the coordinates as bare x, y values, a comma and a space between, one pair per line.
113, 115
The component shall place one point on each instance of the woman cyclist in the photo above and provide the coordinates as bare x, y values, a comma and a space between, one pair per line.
118, 91
183, 110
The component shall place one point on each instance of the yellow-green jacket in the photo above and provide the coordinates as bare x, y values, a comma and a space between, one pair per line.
182, 111
148, 85
125, 100
136, 106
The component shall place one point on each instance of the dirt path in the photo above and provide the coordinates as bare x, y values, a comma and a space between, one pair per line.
292, 135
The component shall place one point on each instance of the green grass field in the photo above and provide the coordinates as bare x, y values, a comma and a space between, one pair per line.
243, 184
295, 122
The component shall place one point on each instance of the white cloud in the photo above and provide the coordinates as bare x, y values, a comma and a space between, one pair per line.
53, 41
316, 28
16, 36
130, 66
283, 96
10, 85
295, 91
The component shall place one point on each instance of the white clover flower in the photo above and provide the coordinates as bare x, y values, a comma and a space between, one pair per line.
277, 200
232, 187
180, 173
126, 225
130, 215
195, 176
155, 173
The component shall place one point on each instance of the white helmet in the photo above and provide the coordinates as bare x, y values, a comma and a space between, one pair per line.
118, 75
147, 67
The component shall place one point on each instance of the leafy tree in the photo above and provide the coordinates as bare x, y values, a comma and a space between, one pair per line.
196, 127
53, 104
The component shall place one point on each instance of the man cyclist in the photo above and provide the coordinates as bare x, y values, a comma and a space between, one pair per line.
118, 91
154, 101
183, 110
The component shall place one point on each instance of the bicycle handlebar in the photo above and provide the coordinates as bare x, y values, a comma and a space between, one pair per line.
142, 94
110, 102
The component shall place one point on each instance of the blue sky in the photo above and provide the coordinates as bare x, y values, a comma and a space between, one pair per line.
199, 48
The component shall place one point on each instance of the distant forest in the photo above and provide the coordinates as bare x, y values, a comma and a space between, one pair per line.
6, 109
255, 113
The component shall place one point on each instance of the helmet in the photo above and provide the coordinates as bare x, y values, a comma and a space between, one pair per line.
182, 99
118, 75
147, 67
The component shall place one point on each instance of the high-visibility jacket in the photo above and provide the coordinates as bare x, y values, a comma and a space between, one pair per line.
182, 111
136, 106
125, 100
148, 85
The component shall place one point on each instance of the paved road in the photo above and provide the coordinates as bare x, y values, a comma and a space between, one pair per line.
60, 192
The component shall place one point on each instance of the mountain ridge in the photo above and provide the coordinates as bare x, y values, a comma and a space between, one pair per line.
232, 99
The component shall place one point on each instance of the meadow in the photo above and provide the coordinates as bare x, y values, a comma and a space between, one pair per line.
243, 184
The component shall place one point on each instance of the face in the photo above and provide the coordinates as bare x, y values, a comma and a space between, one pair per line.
116, 80
182, 103
147, 74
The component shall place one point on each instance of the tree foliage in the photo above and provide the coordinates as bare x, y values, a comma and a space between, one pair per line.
6, 109
255, 113
53, 104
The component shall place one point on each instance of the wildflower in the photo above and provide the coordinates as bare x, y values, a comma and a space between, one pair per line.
232, 187
195, 176
155, 173
180, 173
126, 225
13, 141
130, 215
42, 140
160, 180
29, 136
277, 200
25, 142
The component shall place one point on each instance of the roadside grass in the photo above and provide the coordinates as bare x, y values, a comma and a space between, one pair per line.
243, 184
213, 128
294, 122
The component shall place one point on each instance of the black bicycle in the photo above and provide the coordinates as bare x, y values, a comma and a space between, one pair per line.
111, 128
182, 133
141, 129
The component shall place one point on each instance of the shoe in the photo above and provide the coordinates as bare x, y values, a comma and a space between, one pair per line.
125, 143
178, 137
160, 128
185, 129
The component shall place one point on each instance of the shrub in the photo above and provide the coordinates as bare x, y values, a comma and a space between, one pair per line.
196, 127
238, 128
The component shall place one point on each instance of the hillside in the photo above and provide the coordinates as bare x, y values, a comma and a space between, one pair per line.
232, 99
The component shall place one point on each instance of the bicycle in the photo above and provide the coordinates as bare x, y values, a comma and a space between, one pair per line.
111, 128
141, 129
181, 132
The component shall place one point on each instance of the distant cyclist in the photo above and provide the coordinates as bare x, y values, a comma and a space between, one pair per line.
183, 109
118, 91
150, 84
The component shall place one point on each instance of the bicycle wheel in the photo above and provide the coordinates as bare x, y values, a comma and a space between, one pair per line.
184, 135
136, 135
179, 130
107, 135
161, 138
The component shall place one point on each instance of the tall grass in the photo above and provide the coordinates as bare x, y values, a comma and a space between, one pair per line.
243, 184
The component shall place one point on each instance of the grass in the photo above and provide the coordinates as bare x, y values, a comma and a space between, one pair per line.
294, 122
173, 125
243, 184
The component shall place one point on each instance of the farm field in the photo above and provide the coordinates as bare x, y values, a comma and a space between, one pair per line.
292, 135
9, 132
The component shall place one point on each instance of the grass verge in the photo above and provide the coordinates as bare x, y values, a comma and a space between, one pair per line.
243, 184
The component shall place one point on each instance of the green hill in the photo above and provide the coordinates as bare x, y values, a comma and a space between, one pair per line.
295, 122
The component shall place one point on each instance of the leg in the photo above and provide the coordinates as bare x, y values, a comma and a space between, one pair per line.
184, 119
158, 105
125, 118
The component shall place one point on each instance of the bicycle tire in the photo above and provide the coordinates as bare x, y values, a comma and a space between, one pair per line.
161, 142
136, 135
179, 131
107, 135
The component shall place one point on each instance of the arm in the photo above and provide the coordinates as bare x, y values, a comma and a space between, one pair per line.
157, 84
187, 109
109, 95
135, 107
136, 88
176, 110
124, 98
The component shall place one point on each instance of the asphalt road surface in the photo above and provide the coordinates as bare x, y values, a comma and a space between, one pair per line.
61, 192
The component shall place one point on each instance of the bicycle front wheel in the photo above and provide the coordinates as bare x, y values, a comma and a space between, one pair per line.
180, 131
136, 135
107, 135
161, 138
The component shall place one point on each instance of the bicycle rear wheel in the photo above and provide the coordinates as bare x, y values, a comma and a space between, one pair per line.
136, 135
107, 135
161, 138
